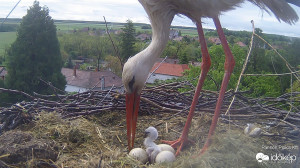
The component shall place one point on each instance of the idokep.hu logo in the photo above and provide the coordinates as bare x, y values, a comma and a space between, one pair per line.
278, 158
281, 158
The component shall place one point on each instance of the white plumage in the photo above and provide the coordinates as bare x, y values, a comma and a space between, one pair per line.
157, 153
161, 14
152, 149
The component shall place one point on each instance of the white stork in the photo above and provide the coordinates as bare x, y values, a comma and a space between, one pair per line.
161, 14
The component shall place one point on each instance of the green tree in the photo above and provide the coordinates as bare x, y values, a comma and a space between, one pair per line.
128, 40
114, 65
35, 54
183, 58
215, 75
257, 52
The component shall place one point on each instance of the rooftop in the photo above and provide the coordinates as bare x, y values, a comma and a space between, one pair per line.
90, 79
170, 69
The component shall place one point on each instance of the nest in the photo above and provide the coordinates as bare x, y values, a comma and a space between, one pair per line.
89, 129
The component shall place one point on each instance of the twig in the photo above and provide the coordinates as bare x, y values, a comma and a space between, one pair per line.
112, 42
156, 68
17, 92
106, 94
282, 74
244, 67
286, 63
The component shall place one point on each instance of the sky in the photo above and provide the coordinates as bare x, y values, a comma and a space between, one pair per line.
122, 10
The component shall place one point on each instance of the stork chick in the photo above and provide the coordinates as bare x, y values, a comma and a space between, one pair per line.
152, 149
157, 153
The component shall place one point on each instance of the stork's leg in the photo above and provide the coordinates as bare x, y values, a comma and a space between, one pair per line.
183, 140
229, 65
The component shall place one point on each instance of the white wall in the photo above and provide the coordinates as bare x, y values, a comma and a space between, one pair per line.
70, 88
160, 77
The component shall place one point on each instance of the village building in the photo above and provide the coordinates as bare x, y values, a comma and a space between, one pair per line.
241, 44
173, 34
164, 71
144, 37
215, 40
168, 60
80, 81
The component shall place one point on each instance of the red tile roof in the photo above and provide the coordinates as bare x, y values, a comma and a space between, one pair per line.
89, 79
214, 40
170, 69
241, 44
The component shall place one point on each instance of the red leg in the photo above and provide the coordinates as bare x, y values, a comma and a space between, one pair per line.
183, 139
229, 65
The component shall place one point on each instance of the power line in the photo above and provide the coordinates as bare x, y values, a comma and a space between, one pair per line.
10, 13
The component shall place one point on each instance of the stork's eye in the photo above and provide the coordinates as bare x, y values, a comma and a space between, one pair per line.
146, 134
130, 84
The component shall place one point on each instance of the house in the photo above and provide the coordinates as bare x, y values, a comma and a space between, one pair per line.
85, 29
241, 44
179, 38
164, 71
144, 37
118, 32
173, 34
168, 60
77, 62
80, 81
215, 40
3, 72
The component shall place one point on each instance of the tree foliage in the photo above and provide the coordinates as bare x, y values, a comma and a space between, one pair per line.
114, 65
35, 54
128, 41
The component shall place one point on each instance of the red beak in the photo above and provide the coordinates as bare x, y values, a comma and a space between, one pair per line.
132, 108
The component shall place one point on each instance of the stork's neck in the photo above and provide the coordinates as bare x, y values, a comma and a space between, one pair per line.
160, 18
149, 142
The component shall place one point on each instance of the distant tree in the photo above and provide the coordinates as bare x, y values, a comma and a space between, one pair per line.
183, 59
186, 39
230, 39
293, 53
128, 40
35, 54
258, 43
258, 52
146, 27
114, 65
179, 33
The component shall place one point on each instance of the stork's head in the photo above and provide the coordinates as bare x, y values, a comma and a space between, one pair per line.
135, 73
151, 133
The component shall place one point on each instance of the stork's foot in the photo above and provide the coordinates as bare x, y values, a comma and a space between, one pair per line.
179, 143
206, 145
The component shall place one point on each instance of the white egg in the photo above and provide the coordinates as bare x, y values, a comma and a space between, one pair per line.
255, 132
252, 130
165, 156
166, 147
249, 128
139, 154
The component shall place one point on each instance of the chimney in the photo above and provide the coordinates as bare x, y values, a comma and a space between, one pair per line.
175, 62
74, 71
102, 82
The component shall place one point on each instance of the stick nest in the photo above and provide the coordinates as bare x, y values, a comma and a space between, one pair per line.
90, 128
